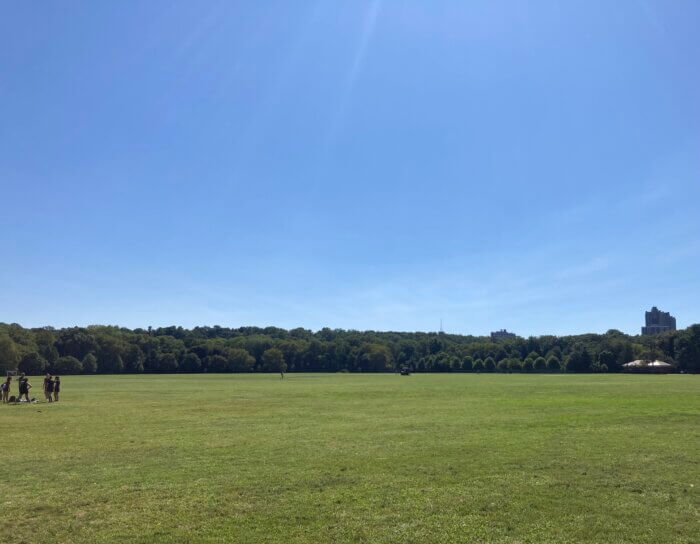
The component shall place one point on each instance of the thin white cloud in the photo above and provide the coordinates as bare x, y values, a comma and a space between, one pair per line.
368, 28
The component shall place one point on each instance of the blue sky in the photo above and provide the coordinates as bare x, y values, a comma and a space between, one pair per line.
362, 164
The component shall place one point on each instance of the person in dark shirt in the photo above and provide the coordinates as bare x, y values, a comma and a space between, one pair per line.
56, 388
49, 389
24, 387
5, 389
48, 383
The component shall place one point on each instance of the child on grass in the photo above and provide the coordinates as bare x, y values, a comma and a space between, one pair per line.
5, 389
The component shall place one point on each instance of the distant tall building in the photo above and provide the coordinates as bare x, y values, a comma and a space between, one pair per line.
658, 321
502, 335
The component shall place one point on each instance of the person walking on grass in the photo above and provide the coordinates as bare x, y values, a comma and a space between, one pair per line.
5, 389
56, 388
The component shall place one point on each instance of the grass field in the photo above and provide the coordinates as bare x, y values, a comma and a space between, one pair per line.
355, 458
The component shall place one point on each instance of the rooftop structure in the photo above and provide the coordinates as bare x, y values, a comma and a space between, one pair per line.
502, 335
658, 322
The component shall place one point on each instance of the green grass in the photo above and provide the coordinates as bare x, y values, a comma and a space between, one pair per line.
355, 458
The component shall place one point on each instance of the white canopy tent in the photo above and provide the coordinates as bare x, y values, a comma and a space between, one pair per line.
641, 365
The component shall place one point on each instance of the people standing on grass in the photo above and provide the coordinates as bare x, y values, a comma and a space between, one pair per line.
56, 388
5, 389
52, 387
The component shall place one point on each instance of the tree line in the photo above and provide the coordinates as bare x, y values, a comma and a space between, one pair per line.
114, 350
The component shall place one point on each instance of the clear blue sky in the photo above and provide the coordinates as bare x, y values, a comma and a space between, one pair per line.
361, 164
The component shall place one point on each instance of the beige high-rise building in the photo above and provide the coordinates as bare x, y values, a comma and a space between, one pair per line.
658, 322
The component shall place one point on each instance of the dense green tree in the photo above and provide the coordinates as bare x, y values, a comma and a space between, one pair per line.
292, 350
435, 346
68, 365
490, 364
514, 365
23, 338
32, 364
117, 349
606, 357
190, 363
273, 360
440, 362
257, 345
217, 363
170, 344
76, 342
407, 354
109, 355
478, 365
467, 364
167, 362
375, 358
529, 365
625, 355
540, 365
154, 348
45, 340
500, 354
553, 364
89, 363
687, 349
133, 358
241, 361
554, 352
9, 354
579, 360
